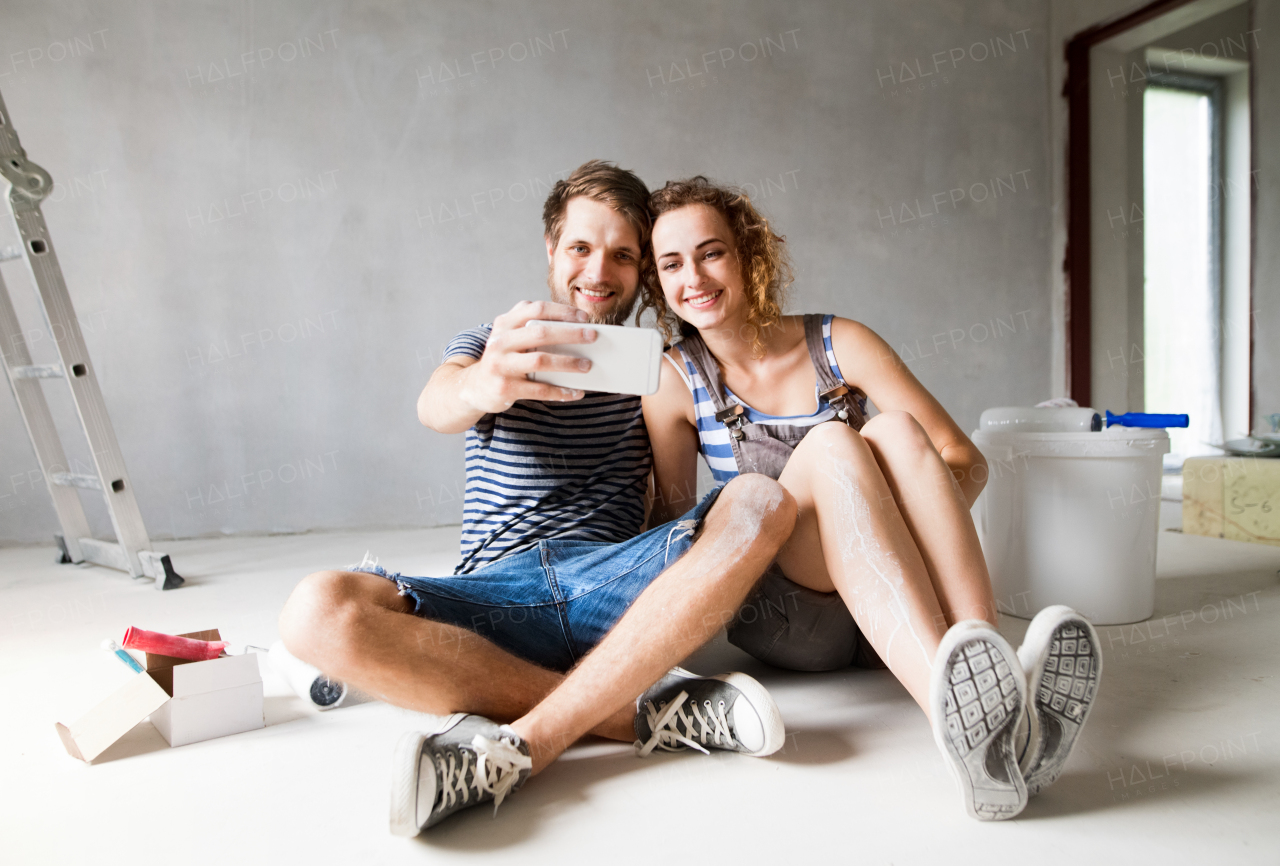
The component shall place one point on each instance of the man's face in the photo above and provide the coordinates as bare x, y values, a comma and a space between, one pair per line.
596, 265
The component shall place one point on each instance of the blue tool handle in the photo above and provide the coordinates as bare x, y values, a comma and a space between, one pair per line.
112, 647
1145, 419
130, 661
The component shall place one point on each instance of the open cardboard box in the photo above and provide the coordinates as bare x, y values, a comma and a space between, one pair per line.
187, 701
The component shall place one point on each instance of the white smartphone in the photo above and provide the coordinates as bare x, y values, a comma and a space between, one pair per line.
623, 360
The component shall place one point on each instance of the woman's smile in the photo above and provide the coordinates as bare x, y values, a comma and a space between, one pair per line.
702, 300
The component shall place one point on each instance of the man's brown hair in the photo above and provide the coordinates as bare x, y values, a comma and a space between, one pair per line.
604, 182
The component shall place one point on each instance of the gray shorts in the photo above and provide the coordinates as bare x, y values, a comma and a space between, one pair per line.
789, 626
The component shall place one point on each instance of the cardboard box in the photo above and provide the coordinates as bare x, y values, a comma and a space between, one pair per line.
187, 701
1232, 497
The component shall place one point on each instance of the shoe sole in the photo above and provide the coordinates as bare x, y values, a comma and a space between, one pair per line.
1063, 684
977, 694
404, 779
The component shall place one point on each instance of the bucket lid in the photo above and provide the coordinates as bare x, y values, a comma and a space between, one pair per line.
1112, 442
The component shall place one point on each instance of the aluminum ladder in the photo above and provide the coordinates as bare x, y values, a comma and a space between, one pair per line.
24, 185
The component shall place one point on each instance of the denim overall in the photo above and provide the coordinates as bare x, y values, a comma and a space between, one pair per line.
782, 623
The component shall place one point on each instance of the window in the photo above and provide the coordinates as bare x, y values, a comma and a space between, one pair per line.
1182, 299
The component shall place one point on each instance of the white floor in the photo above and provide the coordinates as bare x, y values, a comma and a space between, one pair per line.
1180, 763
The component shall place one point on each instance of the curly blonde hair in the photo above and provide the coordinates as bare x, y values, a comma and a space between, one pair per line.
762, 255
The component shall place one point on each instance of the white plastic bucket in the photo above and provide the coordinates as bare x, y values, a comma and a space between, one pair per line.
1072, 518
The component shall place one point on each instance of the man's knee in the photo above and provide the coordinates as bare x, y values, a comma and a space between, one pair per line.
760, 502
322, 612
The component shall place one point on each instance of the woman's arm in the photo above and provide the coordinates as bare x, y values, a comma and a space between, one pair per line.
868, 362
668, 415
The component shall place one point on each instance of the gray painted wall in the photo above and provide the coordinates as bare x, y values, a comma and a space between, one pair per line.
273, 217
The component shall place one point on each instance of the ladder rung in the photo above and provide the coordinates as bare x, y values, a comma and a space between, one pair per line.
37, 371
9, 253
106, 553
71, 479
111, 554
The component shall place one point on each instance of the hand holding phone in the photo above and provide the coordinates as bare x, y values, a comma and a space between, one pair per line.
623, 361
500, 377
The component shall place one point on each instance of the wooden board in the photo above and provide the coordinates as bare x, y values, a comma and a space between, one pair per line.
1232, 497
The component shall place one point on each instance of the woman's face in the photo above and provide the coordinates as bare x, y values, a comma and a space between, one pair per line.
698, 265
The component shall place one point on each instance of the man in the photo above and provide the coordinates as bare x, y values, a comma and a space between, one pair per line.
554, 576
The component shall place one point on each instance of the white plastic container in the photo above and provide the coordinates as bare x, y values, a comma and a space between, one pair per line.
1072, 518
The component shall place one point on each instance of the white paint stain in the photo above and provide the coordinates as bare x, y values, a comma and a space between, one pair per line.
742, 524
859, 544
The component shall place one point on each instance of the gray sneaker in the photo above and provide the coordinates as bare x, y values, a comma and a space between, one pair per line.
731, 712
1063, 662
468, 761
976, 696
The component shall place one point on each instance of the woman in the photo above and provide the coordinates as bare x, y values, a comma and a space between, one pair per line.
883, 530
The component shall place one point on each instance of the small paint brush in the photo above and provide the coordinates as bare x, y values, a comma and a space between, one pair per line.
112, 647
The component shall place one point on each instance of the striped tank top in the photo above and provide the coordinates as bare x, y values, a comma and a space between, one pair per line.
713, 436
575, 470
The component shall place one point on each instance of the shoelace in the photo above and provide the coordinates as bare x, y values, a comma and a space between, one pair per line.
496, 769
686, 528
666, 724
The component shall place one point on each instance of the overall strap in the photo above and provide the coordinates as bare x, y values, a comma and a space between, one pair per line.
843, 399
732, 415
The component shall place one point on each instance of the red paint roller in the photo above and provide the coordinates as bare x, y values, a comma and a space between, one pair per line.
176, 647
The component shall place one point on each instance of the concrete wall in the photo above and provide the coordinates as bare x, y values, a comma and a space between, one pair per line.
273, 217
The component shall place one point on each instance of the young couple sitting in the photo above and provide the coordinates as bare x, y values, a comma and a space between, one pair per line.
849, 539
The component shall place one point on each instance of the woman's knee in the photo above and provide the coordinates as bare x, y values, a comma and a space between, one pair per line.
897, 431
831, 439
893, 422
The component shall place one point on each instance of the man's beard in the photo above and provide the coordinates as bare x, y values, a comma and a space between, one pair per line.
615, 314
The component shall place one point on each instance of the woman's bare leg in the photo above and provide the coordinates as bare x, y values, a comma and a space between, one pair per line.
937, 515
851, 537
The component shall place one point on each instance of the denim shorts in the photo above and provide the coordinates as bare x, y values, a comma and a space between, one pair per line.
553, 603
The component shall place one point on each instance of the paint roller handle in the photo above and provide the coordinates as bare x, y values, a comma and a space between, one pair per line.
1146, 419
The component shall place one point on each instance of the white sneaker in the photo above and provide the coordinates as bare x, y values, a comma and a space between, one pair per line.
1063, 661
976, 696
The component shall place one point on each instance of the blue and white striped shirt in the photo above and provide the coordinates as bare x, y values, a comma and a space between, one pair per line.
713, 436
575, 470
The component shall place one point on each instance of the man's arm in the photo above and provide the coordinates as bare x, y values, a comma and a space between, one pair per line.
463, 390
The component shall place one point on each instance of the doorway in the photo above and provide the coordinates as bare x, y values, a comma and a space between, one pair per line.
1160, 215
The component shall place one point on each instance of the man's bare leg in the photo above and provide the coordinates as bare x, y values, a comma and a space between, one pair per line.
357, 628
680, 611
